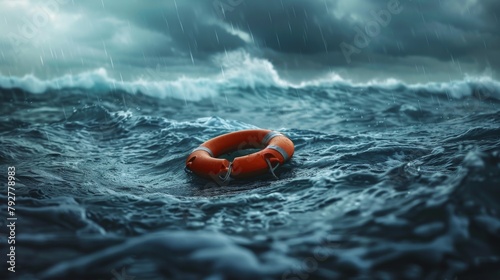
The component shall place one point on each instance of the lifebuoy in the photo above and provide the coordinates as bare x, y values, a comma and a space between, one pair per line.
276, 150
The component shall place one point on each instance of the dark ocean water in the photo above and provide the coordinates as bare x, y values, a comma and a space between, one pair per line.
388, 181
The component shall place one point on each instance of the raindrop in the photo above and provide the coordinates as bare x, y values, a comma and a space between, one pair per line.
178, 16
191, 54
105, 50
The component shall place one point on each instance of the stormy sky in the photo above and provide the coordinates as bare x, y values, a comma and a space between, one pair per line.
411, 40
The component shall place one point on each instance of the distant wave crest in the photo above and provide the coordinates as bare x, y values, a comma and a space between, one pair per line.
238, 70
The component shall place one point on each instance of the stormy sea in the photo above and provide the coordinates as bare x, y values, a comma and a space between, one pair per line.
389, 180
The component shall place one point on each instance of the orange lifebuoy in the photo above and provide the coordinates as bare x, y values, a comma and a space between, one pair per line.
276, 150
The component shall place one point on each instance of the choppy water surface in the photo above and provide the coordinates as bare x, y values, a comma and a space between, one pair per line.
388, 181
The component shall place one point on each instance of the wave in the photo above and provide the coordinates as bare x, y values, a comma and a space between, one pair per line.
240, 70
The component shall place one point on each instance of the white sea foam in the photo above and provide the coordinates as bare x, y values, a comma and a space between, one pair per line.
239, 70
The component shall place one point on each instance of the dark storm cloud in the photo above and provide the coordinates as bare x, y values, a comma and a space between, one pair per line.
311, 32
290, 33
437, 29
310, 27
294, 27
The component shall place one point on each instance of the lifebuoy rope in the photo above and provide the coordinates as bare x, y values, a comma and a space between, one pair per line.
271, 169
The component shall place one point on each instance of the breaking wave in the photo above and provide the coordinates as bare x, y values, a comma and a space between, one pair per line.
238, 70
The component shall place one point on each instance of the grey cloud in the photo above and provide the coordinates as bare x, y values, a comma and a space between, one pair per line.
191, 27
293, 34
